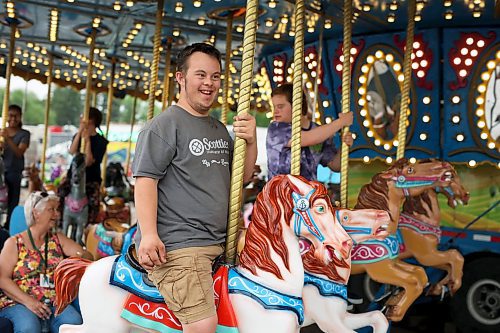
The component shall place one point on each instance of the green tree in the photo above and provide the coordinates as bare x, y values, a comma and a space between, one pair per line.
66, 106
34, 112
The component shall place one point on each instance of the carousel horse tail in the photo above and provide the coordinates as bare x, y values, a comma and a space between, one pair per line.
67, 277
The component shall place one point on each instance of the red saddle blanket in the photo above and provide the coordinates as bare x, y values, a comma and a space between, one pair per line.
159, 317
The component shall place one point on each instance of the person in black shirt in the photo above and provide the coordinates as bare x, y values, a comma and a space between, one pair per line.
95, 148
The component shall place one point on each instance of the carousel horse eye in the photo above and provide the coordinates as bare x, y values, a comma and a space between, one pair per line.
410, 170
346, 218
320, 209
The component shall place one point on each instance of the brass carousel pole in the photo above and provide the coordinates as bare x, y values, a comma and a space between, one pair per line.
240, 144
405, 92
8, 74
166, 77
171, 91
318, 71
47, 111
132, 122
88, 83
227, 73
298, 60
108, 115
346, 98
156, 60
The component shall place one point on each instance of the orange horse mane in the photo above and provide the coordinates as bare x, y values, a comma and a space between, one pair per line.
273, 204
67, 277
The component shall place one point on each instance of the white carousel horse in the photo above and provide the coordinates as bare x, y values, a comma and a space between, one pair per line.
76, 208
325, 290
270, 265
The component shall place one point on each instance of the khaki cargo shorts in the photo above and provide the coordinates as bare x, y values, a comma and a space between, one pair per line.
186, 283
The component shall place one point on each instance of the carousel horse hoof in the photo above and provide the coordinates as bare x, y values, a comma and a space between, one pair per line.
395, 298
394, 313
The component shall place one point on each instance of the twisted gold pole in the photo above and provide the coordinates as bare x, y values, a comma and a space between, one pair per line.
88, 83
298, 60
132, 122
405, 92
227, 73
47, 112
108, 116
156, 60
318, 71
166, 78
8, 74
346, 98
240, 144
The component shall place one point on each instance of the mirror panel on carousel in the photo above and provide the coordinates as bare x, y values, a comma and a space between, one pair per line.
377, 80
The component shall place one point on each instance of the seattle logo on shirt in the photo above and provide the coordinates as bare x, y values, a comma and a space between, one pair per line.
197, 147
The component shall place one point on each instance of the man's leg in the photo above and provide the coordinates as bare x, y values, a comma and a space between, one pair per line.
186, 283
207, 325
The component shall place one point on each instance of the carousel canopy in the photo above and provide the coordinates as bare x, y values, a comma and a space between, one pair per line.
60, 30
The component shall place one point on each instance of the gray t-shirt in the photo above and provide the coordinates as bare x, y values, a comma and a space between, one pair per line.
191, 157
14, 164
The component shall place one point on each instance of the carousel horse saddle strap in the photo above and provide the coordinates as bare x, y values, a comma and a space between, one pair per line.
129, 278
410, 222
377, 250
268, 298
75, 205
326, 288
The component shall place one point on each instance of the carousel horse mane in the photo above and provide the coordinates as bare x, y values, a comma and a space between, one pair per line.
265, 231
375, 194
417, 204
67, 277
313, 265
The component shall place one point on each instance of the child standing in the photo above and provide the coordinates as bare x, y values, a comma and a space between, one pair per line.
317, 146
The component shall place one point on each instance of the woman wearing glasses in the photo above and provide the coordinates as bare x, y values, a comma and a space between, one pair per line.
27, 264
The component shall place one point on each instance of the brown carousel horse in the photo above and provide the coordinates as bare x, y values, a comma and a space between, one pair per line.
35, 182
379, 258
419, 224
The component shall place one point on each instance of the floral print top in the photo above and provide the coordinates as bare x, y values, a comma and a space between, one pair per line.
279, 155
27, 271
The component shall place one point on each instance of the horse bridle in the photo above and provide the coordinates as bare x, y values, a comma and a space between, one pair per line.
405, 183
302, 211
352, 230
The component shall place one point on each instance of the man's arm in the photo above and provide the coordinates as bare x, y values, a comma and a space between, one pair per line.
151, 249
245, 128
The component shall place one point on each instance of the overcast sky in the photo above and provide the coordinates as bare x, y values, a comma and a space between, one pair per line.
34, 86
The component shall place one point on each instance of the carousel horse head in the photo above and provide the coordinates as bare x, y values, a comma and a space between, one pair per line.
35, 182
116, 184
360, 225
77, 170
292, 206
455, 192
364, 224
388, 189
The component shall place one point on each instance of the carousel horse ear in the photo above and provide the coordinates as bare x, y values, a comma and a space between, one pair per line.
298, 185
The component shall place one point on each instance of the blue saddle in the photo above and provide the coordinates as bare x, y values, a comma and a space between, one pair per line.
124, 276
268, 298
